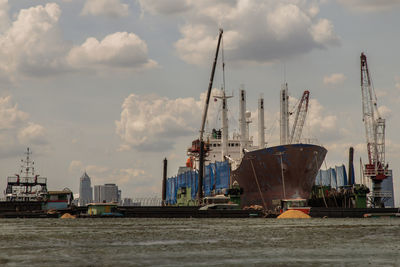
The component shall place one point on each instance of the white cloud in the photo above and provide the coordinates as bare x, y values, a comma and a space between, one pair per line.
323, 32
33, 46
33, 133
334, 79
120, 49
321, 125
287, 20
17, 131
255, 31
369, 5
110, 8
152, 122
10, 116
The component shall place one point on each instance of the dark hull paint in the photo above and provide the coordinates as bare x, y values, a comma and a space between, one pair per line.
301, 163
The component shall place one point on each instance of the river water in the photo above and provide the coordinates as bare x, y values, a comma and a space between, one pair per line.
200, 242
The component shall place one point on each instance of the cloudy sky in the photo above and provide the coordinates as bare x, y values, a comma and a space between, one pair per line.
114, 86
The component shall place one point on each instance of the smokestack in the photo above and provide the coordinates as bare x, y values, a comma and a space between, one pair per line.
224, 137
201, 172
242, 120
164, 182
261, 134
284, 102
351, 167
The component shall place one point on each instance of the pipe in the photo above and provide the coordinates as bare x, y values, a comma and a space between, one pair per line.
201, 171
284, 116
164, 182
261, 133
224, 139
242, 121
351, 167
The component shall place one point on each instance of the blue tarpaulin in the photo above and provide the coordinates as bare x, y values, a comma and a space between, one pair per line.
334, 177
216, 178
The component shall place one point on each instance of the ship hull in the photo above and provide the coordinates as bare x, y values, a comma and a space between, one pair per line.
260, 173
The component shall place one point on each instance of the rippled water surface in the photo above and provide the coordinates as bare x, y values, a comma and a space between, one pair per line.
199, 242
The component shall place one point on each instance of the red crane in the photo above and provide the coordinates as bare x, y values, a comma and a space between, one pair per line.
375, 169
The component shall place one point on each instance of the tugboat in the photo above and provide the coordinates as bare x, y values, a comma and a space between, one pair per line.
26, 186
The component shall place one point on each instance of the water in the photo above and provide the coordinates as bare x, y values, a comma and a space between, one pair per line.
199, 242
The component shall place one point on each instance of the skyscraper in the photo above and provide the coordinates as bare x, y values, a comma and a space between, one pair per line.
107, 193
85, 190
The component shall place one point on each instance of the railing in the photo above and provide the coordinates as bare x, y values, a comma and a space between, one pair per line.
383, 194
27, 180
147, 201
372, 172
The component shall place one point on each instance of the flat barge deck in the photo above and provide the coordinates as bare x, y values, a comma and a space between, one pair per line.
22, 211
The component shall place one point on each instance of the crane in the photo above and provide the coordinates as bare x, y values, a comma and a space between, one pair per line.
203, 122
374, 124
300, 118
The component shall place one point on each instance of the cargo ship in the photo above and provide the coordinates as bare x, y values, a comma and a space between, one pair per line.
269, 174
266, 175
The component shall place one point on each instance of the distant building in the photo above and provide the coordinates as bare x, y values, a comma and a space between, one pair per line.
107, 193
85, 190
387, 187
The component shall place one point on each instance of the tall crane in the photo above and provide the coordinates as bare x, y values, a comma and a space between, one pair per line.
203, 122
300, 118
375, 169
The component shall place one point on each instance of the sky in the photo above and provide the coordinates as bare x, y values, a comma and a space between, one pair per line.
111, 87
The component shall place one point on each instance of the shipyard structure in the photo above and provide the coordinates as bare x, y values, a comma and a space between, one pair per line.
270, 176
265, 175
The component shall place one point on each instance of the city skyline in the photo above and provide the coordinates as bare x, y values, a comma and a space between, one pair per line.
114, 86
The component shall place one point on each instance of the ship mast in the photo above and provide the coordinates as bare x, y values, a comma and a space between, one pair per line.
27, 165
224, 98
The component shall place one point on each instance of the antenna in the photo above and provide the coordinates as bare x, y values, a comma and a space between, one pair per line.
223, 62
284, 72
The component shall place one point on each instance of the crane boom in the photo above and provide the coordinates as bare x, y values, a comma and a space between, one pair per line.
203, 122
300, 118
374, 125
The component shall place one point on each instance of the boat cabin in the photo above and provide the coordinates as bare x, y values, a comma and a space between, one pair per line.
59, 199
102, 209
